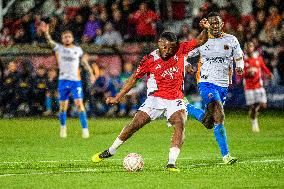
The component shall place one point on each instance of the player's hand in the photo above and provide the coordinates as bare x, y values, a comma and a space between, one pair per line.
112, 100
239, 71
44, 27
204, 23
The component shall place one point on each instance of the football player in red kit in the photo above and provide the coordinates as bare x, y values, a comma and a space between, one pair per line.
165, 68
253, 84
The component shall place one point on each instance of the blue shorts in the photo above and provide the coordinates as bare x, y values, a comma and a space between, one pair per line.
210, 92
65, 87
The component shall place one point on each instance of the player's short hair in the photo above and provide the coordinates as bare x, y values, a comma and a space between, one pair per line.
211, 14
67, 31
170, 36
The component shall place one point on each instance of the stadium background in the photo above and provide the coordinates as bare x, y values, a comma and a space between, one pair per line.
116, 39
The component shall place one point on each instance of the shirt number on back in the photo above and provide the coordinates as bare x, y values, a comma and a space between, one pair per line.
79, 90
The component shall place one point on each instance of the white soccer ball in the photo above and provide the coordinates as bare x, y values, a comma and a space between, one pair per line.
133, 162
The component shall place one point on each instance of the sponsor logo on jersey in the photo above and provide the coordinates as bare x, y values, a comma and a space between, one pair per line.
170, 72
158, 66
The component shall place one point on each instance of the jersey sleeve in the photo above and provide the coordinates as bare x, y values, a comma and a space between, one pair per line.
56, 48
143, 68
80, 51
192, 54
237, 53
189, 45
263, 67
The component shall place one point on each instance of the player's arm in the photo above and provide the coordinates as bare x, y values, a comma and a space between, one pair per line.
238, 56
203, 36
129, 84
45, 29
192, 60
87, 67
264, 68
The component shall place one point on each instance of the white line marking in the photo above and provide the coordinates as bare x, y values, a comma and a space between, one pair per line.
96, 170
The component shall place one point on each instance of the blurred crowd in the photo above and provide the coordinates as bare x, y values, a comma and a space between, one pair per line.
29, 91
103, 24
26, 91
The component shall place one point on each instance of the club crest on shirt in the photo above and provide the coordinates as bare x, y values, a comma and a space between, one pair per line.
176, 58
170, 72
158, 66
210, 95
226, 47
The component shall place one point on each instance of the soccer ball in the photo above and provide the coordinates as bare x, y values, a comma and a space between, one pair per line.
133, 162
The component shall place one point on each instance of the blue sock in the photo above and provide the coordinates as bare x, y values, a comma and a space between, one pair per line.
221, 138
62, 118
195, 112
122, 107
48, 103
83, 119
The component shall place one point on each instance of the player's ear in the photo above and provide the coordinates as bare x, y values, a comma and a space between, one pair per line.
222, 24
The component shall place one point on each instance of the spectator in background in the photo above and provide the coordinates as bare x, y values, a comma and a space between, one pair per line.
21, 36
25, 89
64, 24
200, 15
90, 29
274, 18
145, 21
51, 94
85, 10
99, 40
111, 37
104, 18
39, 90
103, 88
258, 5
260, 19
126, 8
184, 32
119, 23
132, 97
54, 28
77, 27
34, 26
5, 37
9, 90
26, 25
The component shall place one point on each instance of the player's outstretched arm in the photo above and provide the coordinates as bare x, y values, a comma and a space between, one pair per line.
203, 36
129, 84
87, 67
45, 29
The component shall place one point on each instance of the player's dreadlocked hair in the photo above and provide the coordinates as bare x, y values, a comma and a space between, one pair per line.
170, 36
213, 14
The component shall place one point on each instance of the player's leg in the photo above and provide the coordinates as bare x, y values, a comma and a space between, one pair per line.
64, 92
63, 106
253, 111
77, 92
140, 119
220, 131
177, 119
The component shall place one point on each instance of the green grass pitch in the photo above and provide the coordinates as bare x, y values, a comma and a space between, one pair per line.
33, 156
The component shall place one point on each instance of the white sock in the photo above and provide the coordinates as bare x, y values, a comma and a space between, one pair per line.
115, 145
254, 122
173, 155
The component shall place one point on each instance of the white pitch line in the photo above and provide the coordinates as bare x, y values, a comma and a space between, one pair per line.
120, 159
95, 170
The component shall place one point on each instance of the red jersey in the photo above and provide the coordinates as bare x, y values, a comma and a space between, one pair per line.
165, 77
252, 71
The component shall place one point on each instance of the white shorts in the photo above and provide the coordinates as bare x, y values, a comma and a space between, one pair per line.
254, 96
157, 107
